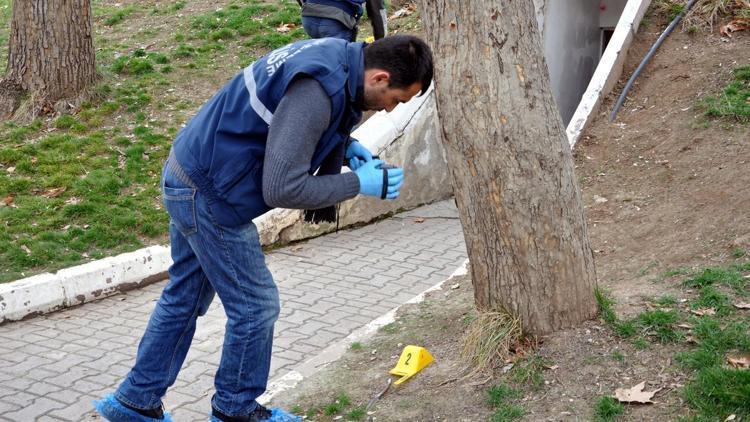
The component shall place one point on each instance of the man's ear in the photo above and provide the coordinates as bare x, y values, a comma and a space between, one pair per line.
381, 76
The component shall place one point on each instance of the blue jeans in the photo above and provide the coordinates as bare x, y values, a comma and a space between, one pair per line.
208, 258
322, 27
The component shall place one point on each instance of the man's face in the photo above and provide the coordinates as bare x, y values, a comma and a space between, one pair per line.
379, 96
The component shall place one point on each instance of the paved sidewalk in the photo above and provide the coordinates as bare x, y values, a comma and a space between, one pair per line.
52, 367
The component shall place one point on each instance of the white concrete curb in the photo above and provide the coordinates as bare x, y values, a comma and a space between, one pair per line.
609, 69
334, 352
75, 285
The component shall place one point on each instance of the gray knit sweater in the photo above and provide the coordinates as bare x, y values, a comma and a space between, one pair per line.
300, 119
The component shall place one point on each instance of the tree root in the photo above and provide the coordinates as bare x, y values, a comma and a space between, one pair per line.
11, 94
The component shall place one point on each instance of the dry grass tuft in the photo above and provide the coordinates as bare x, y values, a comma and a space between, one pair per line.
490, 340
706, 13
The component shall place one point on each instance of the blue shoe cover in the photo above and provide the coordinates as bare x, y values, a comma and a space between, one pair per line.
277, 415
113, 411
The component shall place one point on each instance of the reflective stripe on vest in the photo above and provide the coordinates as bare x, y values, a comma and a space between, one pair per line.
259, 108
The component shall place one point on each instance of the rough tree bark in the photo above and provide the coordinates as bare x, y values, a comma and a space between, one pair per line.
511, 164
51, 53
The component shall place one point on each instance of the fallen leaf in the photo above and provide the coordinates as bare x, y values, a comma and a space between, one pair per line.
730, 417
686, 326
404, 11
10, 170
635, 394
26, 249
455, 286
285, 27
53, 193
739, 361
704, 311
553, 367
419, 220
8, 200
742, 305
738, 24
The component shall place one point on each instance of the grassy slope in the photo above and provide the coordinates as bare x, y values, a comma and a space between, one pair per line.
85, 185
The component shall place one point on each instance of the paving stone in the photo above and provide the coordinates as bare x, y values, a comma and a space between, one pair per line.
332, 286
6, 408
38, 407
185, 414
42, 388
80, 409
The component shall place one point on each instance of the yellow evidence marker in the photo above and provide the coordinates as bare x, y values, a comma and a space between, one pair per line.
413, 359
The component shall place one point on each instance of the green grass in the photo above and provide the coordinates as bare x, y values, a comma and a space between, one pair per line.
710, 297
730, 276
104, 160
500, 399
675, 272
607, 409
118, 15
339, 408
356, 346
718, 391
733, 101
714, 390
529, 371
666, 300
389, 328
606, 303
342, 402
618, 356
356, 414
657, 324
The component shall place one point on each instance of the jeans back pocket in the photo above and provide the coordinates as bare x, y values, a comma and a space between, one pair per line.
180, 204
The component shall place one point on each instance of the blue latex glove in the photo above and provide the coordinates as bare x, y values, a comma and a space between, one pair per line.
357, 154
371, 180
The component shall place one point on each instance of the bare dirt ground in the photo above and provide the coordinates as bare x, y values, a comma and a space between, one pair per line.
677, 192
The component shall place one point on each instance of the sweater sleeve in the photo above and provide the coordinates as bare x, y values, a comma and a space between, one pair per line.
300, 120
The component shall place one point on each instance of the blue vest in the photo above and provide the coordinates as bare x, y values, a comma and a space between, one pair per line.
222, 148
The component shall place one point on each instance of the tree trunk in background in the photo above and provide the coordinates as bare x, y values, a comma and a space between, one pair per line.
51, 53
511, 164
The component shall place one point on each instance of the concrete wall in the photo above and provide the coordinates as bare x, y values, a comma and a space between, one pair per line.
611, 10
571, 47
408, 138
609, 68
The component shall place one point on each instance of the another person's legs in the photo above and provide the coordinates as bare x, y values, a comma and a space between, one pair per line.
317, 27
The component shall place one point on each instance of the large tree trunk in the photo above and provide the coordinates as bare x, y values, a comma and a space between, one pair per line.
51, 52
518, 199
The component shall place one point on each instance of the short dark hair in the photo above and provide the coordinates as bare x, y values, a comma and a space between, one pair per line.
407, 58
